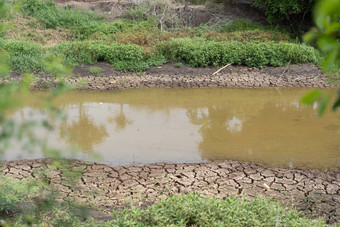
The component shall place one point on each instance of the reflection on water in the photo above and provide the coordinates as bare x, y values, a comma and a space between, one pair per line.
81, 131
234, 125
267, 126
120, 120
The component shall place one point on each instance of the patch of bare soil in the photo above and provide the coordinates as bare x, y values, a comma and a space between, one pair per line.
171, 76
190, 15
173, 69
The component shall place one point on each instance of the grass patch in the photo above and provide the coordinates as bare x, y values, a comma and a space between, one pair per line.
196, 52
24, 56
200, 52
31, 30
192, 210
95, 70
123, 57
82, 24
13, 191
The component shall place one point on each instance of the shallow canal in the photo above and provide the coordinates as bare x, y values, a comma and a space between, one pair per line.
266, 126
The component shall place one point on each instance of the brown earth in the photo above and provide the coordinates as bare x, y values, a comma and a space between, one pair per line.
28, 28
315, 193
170, 76
192, 15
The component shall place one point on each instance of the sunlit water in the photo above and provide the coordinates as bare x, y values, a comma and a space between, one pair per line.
266, 126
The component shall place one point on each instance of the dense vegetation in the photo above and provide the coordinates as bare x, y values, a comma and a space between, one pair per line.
136, 42
185, 210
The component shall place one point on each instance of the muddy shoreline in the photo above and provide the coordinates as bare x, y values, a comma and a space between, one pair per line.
314, 192
172, 76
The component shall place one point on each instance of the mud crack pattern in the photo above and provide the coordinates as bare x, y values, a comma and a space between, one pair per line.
316, 193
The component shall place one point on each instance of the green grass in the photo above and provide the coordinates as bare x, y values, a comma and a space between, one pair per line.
13, 191
192, 210
201, 52
23, 56
83, 24
95, 70
197, 52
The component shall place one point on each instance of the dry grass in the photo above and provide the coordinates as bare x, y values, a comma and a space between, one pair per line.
30, 29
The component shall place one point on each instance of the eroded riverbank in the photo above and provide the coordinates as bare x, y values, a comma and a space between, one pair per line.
173, 76
315, 192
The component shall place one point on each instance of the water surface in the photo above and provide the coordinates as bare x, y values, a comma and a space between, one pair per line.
266, 126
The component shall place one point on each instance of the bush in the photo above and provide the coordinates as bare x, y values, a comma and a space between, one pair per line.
13, 191
201, 52
192, 210
24, 56
296, 14
196, 52
52, 16
123, 57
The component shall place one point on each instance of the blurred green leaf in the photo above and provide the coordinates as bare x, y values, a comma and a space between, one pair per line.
311, 97
310, 36
329, 62
323, 104
336, 104
327, 43
26, 82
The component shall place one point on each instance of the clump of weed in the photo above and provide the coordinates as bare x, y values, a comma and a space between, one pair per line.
95, 70
24, 56
200, 52
192, 210
13, 191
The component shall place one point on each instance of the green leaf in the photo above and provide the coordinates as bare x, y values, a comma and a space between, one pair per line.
330, 60
327, 43
323, 105
311, 97
310, 36
336, 104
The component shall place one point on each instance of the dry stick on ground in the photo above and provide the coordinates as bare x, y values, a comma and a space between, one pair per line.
284, 71
221, 69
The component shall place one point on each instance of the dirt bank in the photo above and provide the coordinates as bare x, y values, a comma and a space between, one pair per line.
172, 76
186, 14
316, 193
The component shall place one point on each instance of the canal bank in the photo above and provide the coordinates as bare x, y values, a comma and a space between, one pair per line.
314, 192
181, 76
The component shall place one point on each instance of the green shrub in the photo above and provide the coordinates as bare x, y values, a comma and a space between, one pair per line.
83, 24
196, 52
24, 56
201, 52
76, 53
52, 16
96, 70
192, 210
123, 57
279, 10
179, 64
13, 191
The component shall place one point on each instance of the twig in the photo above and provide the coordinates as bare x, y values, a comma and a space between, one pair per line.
221, 69
285, 69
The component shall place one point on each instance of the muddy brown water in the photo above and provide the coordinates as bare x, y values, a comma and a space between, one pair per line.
265, 126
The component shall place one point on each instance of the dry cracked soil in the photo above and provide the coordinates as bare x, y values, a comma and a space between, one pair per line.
314, 192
